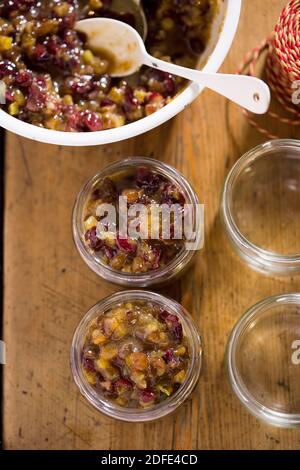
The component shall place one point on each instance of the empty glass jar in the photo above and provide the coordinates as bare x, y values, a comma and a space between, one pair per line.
261, 207
263, 360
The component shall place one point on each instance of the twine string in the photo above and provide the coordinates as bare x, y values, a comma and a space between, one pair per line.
282, 66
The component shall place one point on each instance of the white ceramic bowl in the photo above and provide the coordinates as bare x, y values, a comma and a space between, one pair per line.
224, 29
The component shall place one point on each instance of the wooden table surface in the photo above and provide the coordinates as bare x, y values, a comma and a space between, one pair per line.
48, 288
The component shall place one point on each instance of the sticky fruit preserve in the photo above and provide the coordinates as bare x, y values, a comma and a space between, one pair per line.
135, 355
140, 259
55, 81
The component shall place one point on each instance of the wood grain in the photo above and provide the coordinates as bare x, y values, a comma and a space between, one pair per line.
48, 288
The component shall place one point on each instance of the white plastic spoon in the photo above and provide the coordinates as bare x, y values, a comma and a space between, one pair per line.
127, 54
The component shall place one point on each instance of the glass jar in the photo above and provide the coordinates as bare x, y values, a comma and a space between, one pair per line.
261, 207
263, 360
154, 277
169, 404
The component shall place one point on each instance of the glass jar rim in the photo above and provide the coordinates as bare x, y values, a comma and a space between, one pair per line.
161, 409
271, 261
135, 279
253, 406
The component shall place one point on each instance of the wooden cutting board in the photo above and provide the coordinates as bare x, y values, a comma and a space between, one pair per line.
48, 288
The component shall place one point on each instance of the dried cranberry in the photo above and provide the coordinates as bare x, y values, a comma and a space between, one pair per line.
92, 121
163, 315
106, 102
88, 364
169, 355
37, 95
68, 21
9, 95
82, 85
147, 396
171, 195
40, 81
130, 102
169, 318
40, 53
161, 82
53, 45
94, 241
24, 78
147, 180
170, 358
108, 251
73, 118
125, 245
122, 383
7, 68
173, 324
170, 86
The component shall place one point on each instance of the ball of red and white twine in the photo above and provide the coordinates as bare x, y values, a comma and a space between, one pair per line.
282, 66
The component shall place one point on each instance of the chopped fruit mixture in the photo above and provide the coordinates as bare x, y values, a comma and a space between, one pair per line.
54, 81
140, 254
135, 354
